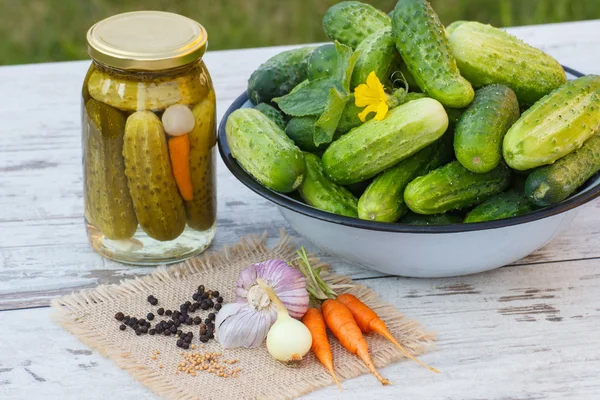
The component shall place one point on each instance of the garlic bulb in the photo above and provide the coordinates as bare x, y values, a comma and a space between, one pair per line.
246, 322
288, 283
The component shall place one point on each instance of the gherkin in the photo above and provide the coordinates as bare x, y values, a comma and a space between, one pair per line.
351, 22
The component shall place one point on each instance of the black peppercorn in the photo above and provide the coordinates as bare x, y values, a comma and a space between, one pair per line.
210, 303
177, 323
185, 346
138, 332
160, 311
218, 306
211, 335
219, 299
203, 338
197, 320
195, 296
144, 329
152, 332
189, 321
168, 312
152, 300
211, 316
204, 305
207, 321
127, 317
150, 316
196, 305
179, 343
204, 296
119, 316
167, 332
141, 321
122, 327
183, 308
179, 332
192, 308
182, 318
148, 324
201, 288
215, 294
190, 335
173, 329
159, 329
133, 320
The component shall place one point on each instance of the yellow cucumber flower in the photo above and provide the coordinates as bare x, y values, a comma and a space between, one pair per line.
372, 96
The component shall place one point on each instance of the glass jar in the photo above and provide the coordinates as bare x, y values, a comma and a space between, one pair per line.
149, 135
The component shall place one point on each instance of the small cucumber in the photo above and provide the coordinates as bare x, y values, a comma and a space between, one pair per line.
505, 205
279, 75
350, 22
554, 183
377, 54
422, 42
264, 150
435, 219
107, 200
453, 187
488, 55
321, 193
322, 62
378, 145
384, 198
302, 131
201, 211
272, 113
554, 126
481, 128
158, 205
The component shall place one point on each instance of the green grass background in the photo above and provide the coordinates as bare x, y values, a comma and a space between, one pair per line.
54, 30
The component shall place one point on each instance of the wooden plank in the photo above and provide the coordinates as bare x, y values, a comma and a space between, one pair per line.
513, 333
43, 249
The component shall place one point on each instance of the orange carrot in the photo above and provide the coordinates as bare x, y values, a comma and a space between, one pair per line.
179, 150
313, 319
341, 323
368, 321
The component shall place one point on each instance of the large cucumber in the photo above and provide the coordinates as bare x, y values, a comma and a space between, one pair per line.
505, 205
322, 62
435, 219
201, 211
107, 200
481, 128
422, 42
321, 193
158, 205
377, 145
554, 126
264, 150
453, 187
554, 183
279, 75
487, 55
384, 198
377, 54
350, 22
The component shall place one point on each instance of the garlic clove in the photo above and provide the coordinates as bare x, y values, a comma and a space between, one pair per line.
239, 325
178, 120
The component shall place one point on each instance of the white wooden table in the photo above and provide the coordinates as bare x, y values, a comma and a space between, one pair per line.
525, 331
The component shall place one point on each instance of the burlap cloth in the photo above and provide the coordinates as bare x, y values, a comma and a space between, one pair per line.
89, 315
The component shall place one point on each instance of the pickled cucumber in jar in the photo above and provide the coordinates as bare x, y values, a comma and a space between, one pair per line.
149, 134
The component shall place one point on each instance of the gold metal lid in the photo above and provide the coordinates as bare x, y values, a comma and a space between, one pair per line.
146, 40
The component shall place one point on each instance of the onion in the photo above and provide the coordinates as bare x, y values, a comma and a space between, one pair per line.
288, 339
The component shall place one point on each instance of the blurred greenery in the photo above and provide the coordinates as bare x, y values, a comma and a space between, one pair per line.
54, 30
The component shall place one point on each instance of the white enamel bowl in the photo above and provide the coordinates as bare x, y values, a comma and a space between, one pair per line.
419, 251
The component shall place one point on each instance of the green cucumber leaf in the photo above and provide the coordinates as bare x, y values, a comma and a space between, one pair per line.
346, 60
328, 121
308, 98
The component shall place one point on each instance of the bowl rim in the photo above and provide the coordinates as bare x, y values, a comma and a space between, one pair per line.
589, 193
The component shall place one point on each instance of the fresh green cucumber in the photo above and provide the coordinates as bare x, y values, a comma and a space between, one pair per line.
554, 126
321, 193
350, 22
504, 205
488, 55
422, 42
272, 113
554, 183
264, 150
322, 62
435, 219
279, 75
378, 54
453, 187
481, 128
378, 145
302, 131
384, 198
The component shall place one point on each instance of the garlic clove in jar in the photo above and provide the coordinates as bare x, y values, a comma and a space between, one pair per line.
178, 120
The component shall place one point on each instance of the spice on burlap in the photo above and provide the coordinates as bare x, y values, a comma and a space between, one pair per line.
90, 316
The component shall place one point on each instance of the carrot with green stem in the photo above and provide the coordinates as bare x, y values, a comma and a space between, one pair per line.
368, 321
313, 319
